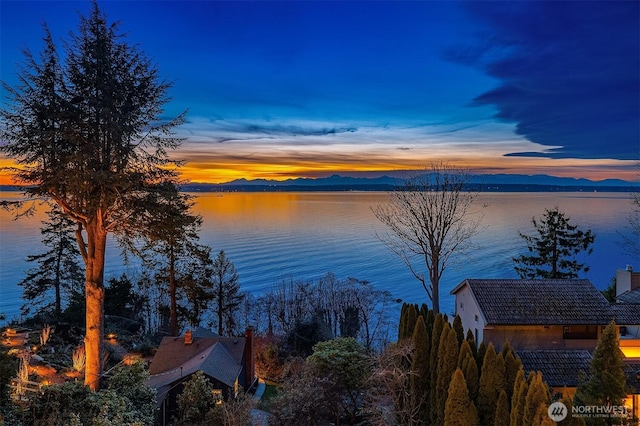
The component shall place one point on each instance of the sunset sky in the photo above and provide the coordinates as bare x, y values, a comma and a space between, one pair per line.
287, 89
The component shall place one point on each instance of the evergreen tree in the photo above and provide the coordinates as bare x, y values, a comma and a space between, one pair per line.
171, 244
467, 363
520, 389
470, 370
402, 322
410, 321
438, 326
457, 327
84, 131
227, 296
512, 365
459, 409
447, 363
195, 400
58, 267
472, 343
480, 353
491, 383
502, 410
537, 394
571, 420
607, 384
419, 382
553, 250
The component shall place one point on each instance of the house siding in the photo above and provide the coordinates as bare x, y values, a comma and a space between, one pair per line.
469, 312
535, 337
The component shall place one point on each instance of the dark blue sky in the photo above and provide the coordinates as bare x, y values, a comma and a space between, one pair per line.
279, 89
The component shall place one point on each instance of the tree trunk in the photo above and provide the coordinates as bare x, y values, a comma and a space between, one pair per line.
172, 293
94, 287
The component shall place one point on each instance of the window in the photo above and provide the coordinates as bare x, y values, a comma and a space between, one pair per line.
580, 332
217, 396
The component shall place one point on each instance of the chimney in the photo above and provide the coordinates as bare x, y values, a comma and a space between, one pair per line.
249, 360
188, 338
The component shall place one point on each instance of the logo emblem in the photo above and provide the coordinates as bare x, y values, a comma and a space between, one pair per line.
557, 411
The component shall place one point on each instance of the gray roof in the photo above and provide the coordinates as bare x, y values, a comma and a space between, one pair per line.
559, 367
539, 302
626, 313
630, 296
220, 358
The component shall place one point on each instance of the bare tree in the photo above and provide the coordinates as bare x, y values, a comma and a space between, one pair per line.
431, 223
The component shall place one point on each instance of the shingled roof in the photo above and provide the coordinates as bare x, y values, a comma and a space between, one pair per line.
560, 368
629, 296
539, 302
217, 357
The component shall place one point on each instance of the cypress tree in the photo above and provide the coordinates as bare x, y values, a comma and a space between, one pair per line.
491, 383
502, 410
402, 322
520, 388
472, 343
457, 326
419, 382
470, 370
438, 325
512, 365
482, 350
410, 323
447, 361
537, 394
465, 351
541, 417
459, 409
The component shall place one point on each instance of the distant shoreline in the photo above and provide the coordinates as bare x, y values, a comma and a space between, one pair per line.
385, 188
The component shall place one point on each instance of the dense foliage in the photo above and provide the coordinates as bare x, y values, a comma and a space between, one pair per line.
552, 252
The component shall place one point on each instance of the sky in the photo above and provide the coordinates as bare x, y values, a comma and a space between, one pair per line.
280, 90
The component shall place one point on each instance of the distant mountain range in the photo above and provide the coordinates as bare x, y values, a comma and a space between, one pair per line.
490, 183
496, 182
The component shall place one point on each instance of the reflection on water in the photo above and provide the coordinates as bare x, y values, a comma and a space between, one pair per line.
269, 236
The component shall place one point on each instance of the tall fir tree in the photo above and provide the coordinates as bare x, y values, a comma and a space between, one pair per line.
226, 293
491, 383
607, 383
58, 270
419, 382
553, 251
459, 408
86, 133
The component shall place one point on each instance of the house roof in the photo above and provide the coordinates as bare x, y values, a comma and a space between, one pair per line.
218, 357
539, 302
559, 368
630, 296
626, 313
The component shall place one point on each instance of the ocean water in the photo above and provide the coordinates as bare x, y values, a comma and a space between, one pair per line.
304, 235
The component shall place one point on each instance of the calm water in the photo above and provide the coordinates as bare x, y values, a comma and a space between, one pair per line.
269, 236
